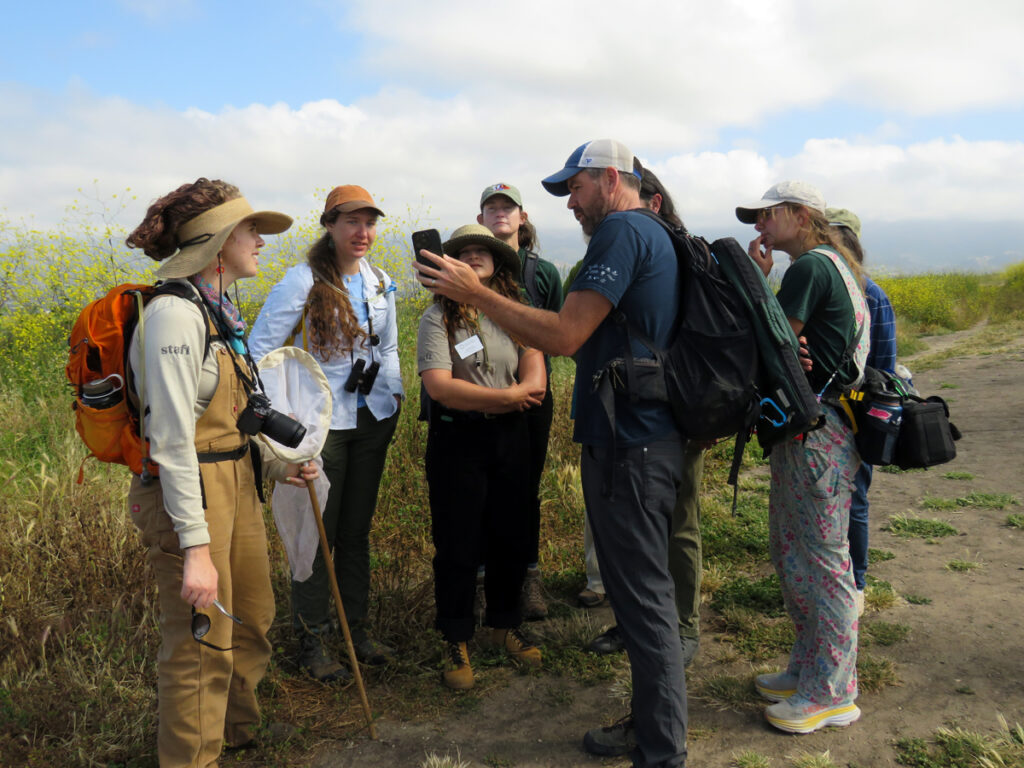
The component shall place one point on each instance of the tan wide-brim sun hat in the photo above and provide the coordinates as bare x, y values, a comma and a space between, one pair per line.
477, 234
200, 239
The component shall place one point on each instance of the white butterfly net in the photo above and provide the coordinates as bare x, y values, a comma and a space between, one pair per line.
297, 386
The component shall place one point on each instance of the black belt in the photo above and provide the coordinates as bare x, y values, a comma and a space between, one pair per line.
235, 455
214, 457
453, 416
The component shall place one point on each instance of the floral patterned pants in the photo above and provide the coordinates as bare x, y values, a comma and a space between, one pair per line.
812, 484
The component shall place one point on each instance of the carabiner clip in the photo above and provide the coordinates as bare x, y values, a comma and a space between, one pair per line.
780, 420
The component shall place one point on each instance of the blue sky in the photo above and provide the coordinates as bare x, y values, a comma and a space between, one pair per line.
912, 117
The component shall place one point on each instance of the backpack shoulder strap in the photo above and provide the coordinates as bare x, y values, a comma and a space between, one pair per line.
530, 278
183, 291
379, 274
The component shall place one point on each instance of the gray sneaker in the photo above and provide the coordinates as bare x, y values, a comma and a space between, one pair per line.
615, 740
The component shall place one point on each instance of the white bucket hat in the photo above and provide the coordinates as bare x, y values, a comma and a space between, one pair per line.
200, 239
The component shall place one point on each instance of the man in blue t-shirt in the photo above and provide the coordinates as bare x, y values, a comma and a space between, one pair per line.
631, 475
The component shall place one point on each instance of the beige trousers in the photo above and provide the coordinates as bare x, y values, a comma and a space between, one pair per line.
207, 696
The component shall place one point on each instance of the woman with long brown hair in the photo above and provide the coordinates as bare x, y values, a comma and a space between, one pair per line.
200, 517
480, 381
812, 478
346, 308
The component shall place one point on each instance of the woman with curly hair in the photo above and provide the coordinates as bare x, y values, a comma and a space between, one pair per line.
480, 381
199, 515
813, 477
346, 310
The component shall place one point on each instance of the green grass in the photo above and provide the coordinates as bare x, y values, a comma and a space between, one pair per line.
914, 527
885, 633
958, 476
962, 566
917, 599
727, 692
762, 595
987, 500
959, 748
1016, 520
875, 673
974, 499
934, 502
79, 635
755, 637
879, 556
812, 760
892, 469
748, 758
879, 595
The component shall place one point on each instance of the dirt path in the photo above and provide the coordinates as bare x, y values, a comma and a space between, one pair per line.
961, 665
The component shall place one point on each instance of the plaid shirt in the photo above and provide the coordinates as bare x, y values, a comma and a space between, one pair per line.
882, 354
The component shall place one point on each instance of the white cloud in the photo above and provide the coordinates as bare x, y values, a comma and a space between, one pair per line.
707, 64
406, 147
477, 93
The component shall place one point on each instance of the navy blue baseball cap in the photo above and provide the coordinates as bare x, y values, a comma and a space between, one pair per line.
602, 153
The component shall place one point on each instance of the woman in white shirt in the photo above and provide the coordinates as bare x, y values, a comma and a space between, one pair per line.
346, 308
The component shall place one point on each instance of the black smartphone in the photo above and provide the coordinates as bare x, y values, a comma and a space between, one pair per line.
426, 240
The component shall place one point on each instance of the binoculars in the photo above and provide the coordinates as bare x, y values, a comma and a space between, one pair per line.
362, 377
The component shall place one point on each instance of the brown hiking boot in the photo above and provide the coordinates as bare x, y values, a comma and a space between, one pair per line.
531, 602
517, 646
318, 663
457, 673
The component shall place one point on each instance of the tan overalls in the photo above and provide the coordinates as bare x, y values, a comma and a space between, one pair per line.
207, 696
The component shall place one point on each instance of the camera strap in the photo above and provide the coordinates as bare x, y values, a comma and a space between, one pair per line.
250, 382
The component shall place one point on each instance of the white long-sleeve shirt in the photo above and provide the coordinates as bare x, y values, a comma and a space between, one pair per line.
281, 313
179, 385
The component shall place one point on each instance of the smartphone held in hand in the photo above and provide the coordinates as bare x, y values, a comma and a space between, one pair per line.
426, 240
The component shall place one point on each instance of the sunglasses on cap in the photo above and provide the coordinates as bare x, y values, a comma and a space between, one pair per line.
201, 626
764, 214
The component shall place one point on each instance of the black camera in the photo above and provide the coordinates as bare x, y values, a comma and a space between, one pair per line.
362, 377
259, 417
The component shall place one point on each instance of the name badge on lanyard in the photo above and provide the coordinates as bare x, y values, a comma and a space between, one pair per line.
469, 346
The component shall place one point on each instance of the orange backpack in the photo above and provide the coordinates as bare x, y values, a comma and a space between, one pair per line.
105, 416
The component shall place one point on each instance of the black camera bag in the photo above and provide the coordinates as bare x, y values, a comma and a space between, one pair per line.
926, 435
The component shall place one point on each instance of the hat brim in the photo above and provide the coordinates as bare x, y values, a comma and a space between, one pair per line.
192, 259
558, 183
358, 205
507, 257
748, 213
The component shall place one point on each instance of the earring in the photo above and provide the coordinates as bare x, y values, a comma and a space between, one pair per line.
220, 269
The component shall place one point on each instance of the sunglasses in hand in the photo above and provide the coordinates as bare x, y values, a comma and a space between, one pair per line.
201, 626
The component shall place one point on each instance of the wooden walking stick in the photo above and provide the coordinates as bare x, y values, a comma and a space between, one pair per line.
325, 550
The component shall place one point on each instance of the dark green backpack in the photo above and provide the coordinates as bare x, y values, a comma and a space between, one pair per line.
732, 366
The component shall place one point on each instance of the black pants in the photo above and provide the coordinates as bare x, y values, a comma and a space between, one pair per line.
538, 426
477, 471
